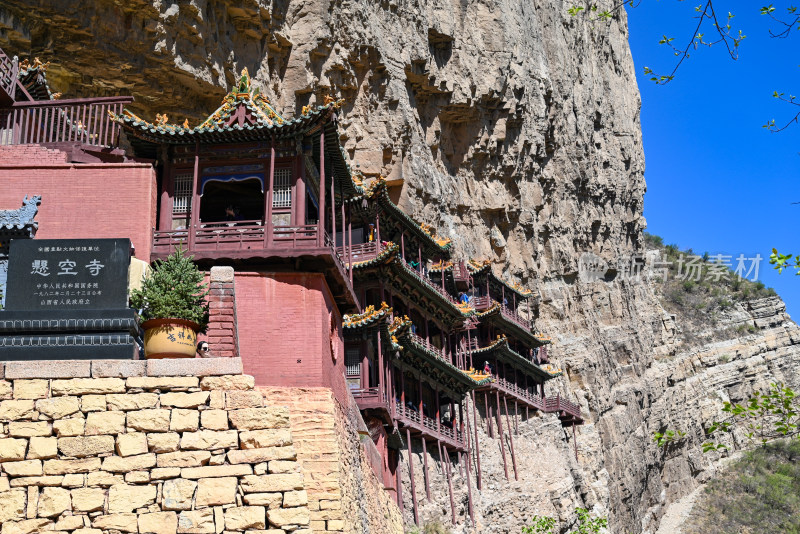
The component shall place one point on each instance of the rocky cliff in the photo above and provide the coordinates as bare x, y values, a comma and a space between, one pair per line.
515, 130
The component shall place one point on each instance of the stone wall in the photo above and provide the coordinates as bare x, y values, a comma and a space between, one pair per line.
155, 447
333, 448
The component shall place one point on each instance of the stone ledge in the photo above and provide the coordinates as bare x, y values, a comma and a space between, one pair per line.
120, 368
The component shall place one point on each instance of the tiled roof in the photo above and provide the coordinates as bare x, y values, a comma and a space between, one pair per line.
368, 318
244, 115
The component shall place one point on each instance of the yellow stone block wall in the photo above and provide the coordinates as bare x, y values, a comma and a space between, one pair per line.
151, 454
344, 493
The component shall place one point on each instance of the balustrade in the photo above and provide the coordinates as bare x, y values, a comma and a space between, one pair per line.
423, 423
82, 120
8, 75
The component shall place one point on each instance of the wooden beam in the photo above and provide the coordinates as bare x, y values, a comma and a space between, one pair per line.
500, 434
411, 476
425, 467
511, 439
450, 485
321, 199
477, 445
470, 507
270, 200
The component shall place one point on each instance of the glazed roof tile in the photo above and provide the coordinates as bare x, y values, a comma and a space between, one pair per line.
370, 317
244, 115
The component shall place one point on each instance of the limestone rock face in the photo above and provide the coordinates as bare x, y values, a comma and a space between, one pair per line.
515, 130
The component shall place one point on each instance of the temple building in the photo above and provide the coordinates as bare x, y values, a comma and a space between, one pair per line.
333, 285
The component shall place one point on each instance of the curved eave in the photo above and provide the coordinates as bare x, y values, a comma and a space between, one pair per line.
403, 270
501, 348
368, 319
177, 135
458, 376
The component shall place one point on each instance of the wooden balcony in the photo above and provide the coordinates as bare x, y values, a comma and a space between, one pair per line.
372, 399
82, 121
299, 247
360, 252
430, 428
507, 388
568, 412
484, 303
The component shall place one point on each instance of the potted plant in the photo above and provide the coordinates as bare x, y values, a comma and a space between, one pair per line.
172, 303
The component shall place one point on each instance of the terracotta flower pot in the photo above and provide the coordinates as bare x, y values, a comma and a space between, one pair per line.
170, 338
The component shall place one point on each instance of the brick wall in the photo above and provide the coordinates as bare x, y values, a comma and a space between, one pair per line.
290, 331
82, 200
222, 334
35, 154
158, 447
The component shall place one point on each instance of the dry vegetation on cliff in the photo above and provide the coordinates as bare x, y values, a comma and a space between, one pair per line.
705, 294
759, 493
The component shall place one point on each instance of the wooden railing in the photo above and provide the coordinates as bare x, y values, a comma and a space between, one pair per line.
559, 404
237, 236
425, 424
481, 303
428, 345
513, 316
8, 74
512, 389
360, 252
82, 120
427, 281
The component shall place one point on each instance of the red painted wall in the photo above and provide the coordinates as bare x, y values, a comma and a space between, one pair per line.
94, 200
288, 324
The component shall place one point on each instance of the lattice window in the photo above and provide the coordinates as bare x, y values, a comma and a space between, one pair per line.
352, 361
182, 200
282, 192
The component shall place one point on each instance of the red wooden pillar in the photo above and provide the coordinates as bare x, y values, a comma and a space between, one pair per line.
378, 231
419, 260
470, 507
381, 370
403, 245
419, 392
268, 227
167, 194
195, 207
449, 485
425, 467
477, 445
438, 415
411, 476
350, 248
511, 440
488, 414
321, 206
333, 209
500, 434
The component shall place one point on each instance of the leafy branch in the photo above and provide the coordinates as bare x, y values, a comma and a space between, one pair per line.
586, 524
783, 261
764, 416
770, 125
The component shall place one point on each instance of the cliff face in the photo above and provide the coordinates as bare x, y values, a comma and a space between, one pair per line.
515, 128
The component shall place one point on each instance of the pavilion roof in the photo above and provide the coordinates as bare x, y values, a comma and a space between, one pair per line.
377, 192
370, 317
494, 314
245, 115
33, 76
501, 347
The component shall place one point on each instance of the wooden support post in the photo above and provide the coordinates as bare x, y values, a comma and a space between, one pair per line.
350, 249
425, 467
477, 445
419, 260
321, 203
488, 414
403, 245
268, 226
402, 388
194, 214
419, 393
516, 417
378, 230
470, 507
450, 485
500, 435
399, 483
438, 413
381, 370
575, 441
333, 210
411, 476
511, 440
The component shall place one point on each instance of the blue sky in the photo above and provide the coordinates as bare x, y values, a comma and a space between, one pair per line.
716, 180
